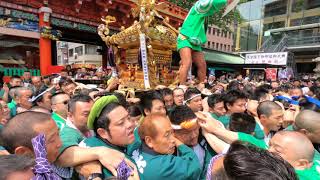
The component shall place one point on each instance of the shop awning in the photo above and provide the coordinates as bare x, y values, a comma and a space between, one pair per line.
223, 69
217, 57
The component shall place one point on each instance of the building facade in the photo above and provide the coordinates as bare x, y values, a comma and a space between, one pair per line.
268, 23
36, 33
84, 54
219, 40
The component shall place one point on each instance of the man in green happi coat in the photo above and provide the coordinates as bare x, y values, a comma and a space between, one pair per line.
156, 158
59, 106
193, 35
294, 147
187, 130
113, 129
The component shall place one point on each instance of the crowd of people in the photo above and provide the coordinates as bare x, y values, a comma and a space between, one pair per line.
53, 127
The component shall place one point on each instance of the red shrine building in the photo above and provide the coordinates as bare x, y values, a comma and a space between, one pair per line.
32, 31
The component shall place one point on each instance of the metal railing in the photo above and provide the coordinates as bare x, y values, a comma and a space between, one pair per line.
303, 41
282, 45
19, 71
267, 43
290, 41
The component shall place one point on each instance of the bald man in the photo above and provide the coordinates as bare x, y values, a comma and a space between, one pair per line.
292, 146
158, 147
308, 123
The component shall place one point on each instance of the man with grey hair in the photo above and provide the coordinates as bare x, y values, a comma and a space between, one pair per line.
21, 97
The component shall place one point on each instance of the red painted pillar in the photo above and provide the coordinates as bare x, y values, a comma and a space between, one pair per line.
44, 43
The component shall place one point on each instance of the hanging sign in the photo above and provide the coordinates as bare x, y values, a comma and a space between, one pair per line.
144, 60
279, 58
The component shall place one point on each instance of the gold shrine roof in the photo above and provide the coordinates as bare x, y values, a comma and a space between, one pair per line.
159, 33
159, 36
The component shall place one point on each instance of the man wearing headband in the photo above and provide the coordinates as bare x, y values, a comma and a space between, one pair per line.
113, 128
44, 99
193, 99
156, 155
186, 129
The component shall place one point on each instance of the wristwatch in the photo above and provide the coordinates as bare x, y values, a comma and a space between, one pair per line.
95, 176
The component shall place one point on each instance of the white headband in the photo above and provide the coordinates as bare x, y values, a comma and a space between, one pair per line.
192, 97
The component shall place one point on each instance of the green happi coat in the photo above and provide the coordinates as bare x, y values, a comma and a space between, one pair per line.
96, 142
13, 108
70, 136
306, 174
155, 166
209, 153
61, 123
225, 120
193, 33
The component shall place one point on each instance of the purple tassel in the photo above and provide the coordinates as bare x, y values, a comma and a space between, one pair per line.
42, 169
123, 171
110, 57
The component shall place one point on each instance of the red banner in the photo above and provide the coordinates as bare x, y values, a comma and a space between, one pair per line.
271, 73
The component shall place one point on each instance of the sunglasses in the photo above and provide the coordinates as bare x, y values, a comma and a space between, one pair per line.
63, 102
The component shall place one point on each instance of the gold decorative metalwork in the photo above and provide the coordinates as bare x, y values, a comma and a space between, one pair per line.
4, 22
161, 41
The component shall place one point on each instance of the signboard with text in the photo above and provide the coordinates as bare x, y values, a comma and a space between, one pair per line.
279, 58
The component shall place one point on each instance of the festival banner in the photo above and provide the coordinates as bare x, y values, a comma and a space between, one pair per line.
279, 58
144, 61
271, 74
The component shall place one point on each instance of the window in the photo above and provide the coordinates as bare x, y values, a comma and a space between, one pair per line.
217, 46
312, 4
297, 5
220, 47
225, 48
275, 8
213, 31
59, 59
213, 45
209, 44
311, 20
218, 32
225, 34
274, 25
79, 50
70, 52
91, 49
209, 30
